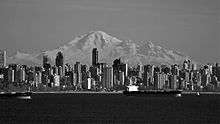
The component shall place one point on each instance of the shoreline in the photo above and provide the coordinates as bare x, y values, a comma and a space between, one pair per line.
77, 92
201, 93
120, 92
103, 92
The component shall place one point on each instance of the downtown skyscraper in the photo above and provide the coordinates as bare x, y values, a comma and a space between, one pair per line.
59, 59
94, 57
2, 58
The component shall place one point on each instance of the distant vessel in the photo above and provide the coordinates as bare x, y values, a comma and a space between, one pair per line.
132, 90
19, 95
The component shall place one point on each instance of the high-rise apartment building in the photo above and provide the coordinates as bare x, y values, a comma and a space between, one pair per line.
77, 71
59, 59
2, 58
11, 75
94, 57
46, 63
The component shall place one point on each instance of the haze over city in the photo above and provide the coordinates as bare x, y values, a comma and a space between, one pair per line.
191, 27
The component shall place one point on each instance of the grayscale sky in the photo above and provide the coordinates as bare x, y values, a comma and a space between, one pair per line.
191, 26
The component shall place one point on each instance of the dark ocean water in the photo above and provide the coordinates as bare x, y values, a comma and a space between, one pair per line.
105, 108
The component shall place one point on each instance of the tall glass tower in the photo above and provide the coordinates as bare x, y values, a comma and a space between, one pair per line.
59, 59
94, 57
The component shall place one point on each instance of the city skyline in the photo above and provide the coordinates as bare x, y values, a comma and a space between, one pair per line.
109, 61
103, 77
189, 26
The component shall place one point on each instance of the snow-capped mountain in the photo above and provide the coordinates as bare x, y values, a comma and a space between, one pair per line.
109, 48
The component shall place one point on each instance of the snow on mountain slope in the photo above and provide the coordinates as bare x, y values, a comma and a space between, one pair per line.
23, 58
110, 48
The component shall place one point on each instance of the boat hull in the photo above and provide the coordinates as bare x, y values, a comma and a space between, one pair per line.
20, 95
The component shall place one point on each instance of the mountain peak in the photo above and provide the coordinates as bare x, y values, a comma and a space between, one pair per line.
95, 39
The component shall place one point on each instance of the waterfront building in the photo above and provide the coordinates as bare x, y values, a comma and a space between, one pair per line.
194, 66
77, 71
45, 60
217, 72
38, 69
46, 64
174, 70
120, 68
140, 71
70, 78
14, 68
181, 83
2, 75
60, 71
156, 80
2, 71
151, 74
157, 69
173, 82
89, 83
94, 73
185, 65
126, 70
144, 75
30, 76
166, 83
218, 84
50, 71
102, 74
165, 69
187, 76
115, 80
55, 70
204, 80
45, 78
84, 70
11, 75
196, 78
109, 78
67, 68
210, 71
37, 78
18, 74
1, 78
94, 83
5, 73
2, 58
162, 79
51, 81
121, 78
56, 80
23, 74
214, 81
199, 81
74, 79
